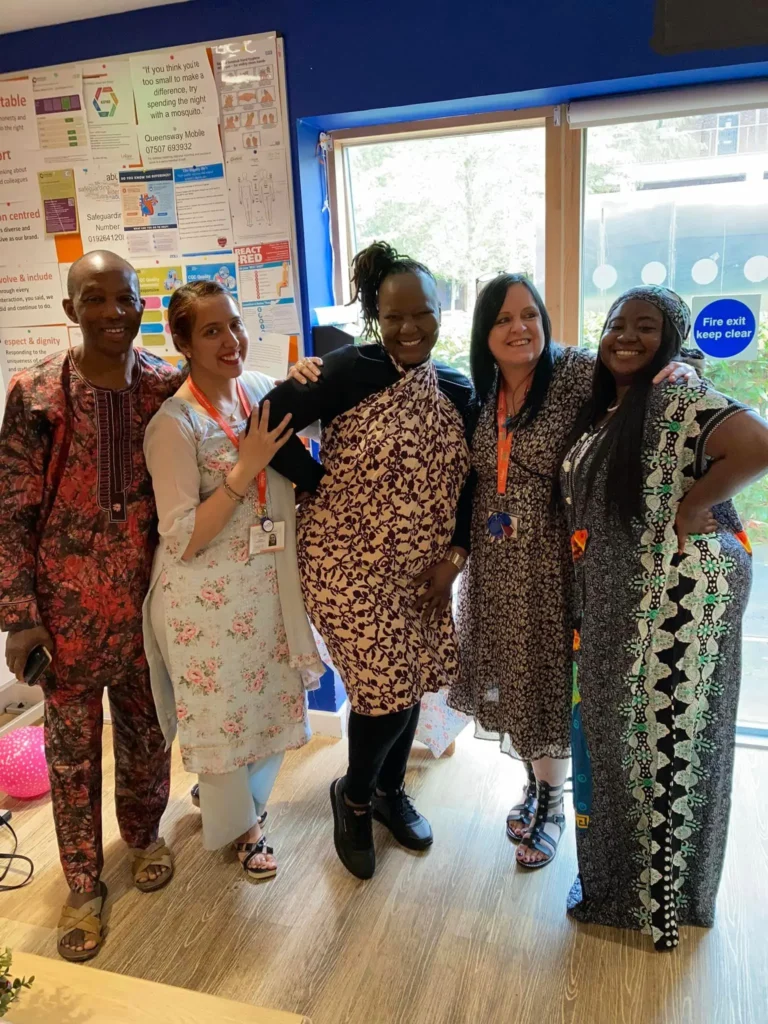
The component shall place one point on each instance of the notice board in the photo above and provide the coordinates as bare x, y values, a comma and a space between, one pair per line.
179, 161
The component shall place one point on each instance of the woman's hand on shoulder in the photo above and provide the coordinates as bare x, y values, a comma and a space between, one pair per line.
306, 370
675, 372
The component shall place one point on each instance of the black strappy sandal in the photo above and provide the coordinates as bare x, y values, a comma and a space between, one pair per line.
537, 838
253, 850
524, 812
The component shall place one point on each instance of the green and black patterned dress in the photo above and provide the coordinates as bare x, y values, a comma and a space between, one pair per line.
656, 681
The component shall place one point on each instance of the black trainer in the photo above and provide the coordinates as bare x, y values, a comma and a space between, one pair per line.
396, 811
352, 834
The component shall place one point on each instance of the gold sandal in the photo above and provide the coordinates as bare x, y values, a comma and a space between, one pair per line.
157, 856
86, 919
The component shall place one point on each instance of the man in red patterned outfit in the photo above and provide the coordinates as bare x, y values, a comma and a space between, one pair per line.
77, 536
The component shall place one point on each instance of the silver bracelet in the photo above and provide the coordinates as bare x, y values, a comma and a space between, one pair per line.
456, 558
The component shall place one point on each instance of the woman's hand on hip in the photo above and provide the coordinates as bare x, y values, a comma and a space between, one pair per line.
259, 446
437, 597
693, 520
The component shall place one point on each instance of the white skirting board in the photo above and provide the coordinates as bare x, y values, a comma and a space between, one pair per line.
329, 723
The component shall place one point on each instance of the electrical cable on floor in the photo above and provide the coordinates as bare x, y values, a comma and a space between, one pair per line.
9, 858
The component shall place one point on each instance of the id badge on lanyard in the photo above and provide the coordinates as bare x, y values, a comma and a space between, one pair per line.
502, 524
266, 537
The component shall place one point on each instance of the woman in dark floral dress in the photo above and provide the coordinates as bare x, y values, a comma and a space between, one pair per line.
663, 577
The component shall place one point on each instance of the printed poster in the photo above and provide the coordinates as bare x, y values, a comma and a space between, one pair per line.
266, 287
18, 126
157, 284
259, 196
18, 174
222, 273
23, 238
57, 191
180, 144
267, 353
108, 93
249, 95
174, 84
202, 209
30, 295
59, 110
108, 96
148, 205
101, 212
22, 348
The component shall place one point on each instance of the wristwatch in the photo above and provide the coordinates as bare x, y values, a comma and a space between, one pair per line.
456, 558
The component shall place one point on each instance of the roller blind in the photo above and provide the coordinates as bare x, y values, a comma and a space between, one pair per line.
650, 106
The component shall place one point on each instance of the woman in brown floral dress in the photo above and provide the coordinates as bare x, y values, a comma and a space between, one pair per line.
514, 618
379, 543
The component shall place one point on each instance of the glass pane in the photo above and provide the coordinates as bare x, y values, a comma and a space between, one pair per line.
684, 202
468, 206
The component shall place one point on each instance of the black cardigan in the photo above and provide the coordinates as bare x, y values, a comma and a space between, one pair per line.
349, 376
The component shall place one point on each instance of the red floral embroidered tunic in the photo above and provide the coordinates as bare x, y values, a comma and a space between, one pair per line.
77, 513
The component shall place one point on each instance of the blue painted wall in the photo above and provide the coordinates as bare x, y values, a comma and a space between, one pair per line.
373, 61
371, 54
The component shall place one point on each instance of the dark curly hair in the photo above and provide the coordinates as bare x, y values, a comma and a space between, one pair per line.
370, 268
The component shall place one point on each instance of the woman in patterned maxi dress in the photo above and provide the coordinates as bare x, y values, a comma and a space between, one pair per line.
227, 637
514, 609
663, 577
379, 545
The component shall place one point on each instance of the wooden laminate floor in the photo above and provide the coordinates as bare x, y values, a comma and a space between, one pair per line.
451, 937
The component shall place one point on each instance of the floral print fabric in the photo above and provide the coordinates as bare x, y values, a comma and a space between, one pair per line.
239, 694
397, 463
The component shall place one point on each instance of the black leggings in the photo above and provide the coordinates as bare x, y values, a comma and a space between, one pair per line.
379, 746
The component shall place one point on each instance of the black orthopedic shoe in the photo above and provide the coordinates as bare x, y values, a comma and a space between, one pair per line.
396, 811
352, 834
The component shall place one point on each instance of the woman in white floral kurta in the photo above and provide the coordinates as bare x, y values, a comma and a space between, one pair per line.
230, 648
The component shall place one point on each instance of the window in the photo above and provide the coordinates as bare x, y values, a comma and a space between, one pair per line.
683, 202
468, 204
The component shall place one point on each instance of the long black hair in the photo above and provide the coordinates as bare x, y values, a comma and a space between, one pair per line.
370, 267
482, 364
621, 446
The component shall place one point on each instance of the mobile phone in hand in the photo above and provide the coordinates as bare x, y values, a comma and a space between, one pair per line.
38, 660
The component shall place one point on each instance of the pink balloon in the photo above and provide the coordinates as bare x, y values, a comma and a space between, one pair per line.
23, 770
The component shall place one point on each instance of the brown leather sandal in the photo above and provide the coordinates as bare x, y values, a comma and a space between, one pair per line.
86, 919
155, 856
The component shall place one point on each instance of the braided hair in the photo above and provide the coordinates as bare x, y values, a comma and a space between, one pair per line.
370, 268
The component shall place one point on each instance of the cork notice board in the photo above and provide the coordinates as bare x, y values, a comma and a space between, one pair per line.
685, 26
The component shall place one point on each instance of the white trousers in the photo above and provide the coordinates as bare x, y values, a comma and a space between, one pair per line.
231, 803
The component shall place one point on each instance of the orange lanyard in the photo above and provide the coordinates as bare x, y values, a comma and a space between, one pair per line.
503, 445
200, 398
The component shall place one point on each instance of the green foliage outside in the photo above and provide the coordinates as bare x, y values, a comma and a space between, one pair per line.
469, 206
